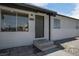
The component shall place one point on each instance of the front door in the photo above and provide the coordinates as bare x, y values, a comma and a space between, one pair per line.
39, 26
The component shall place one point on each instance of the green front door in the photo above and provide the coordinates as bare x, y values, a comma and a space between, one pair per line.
39, 26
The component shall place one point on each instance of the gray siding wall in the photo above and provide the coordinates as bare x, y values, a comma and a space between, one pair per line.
14, 39
67, 30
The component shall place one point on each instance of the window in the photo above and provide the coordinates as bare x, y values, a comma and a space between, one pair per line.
56, 23
77, 25
8, 21
22, 22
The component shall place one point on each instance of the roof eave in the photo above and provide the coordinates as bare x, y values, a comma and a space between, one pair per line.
29, 7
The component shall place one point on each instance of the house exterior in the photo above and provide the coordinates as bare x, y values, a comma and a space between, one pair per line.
21, 24
68, 27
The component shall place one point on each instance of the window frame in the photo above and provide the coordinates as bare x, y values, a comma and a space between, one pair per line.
16, 21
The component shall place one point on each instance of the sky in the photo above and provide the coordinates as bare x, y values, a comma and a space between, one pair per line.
68, 9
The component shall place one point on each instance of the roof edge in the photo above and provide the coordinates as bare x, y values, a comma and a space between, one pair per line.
67, 16
37, 8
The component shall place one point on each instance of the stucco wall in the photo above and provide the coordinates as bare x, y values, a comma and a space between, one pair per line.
14, 39
67, 30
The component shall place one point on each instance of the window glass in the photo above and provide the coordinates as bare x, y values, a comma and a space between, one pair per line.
8, 21
22, 22
56, 23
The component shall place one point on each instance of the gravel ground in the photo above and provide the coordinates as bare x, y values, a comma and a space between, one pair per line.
26, 51
32, 51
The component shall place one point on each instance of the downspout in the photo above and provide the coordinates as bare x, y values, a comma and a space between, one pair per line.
49, 28
50, 24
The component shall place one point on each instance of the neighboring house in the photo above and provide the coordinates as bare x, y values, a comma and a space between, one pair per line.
21, 24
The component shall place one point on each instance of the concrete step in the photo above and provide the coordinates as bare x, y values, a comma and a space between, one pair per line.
44, 44
44, 48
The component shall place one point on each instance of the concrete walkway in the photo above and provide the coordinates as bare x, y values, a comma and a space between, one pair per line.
59, 53
72, 47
